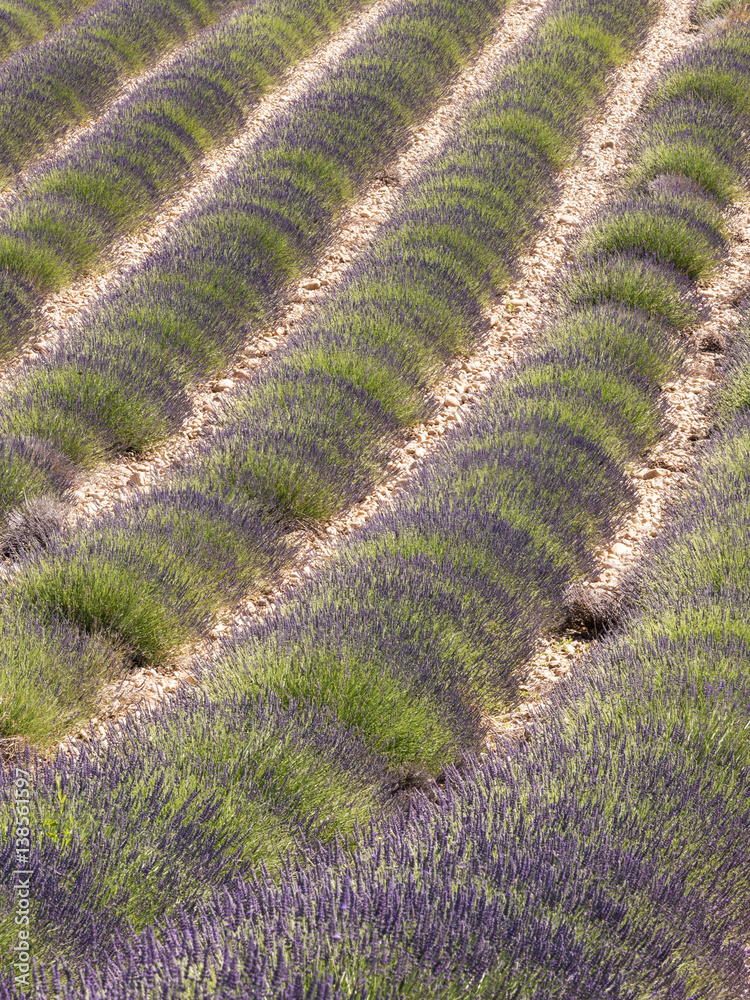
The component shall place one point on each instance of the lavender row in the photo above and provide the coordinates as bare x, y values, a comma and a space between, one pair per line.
123, 383
700, 570
116, 175
606, 855
536, 872
219, 789
67, 77
167, 559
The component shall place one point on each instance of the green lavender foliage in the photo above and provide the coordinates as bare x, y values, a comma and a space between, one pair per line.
23, 22
734, 394
51, 674
229, 787
315, 435
636, 282
686, 232
715, 73
152, 576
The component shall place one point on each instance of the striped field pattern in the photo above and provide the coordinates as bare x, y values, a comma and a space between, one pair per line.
321, 816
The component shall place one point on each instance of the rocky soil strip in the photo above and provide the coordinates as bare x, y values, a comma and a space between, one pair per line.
516, 319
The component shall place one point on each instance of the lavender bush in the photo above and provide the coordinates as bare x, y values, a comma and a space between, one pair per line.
734, 396
183, 310
675, 228
116, 174
155, 572
698, 140
227, 787
50, 674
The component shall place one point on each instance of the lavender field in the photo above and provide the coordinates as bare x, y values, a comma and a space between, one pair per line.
374, 519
